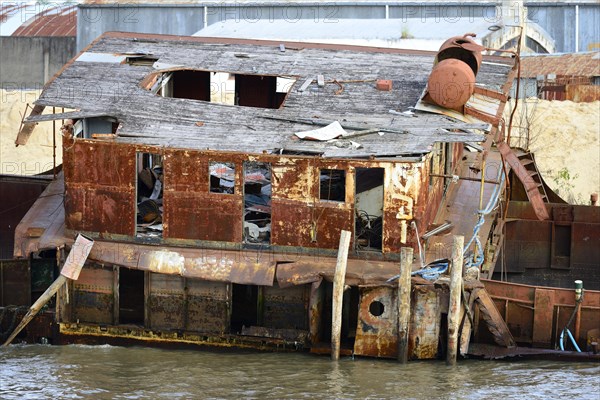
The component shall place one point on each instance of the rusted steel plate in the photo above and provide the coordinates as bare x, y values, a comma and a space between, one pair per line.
99, 163
208, 216
166, 302
93, 297
286, 308
100, 186
585, 248
286, 214
521, 299
295, 179
542, 317
207, 306
100, 209
358, 272
377, 335
186, 171
528, 245
425, 319
217, 265
530, 185
16, 280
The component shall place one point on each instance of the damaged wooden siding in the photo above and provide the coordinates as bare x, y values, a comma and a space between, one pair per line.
100, 186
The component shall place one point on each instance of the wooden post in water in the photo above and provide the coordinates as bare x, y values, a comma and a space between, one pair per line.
454, 305
71, 269
338, 294
404, 290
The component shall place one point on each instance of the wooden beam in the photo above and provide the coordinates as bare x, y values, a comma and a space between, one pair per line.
404, 291
454, 307
338, 294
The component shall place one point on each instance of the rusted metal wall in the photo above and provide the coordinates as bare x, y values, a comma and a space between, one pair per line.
530, 245
93, 296
537, 315
166, 302
583, 93
100, 186
208, 306
377, 336
100, 178
17, 195
15, 283
286, 308
176, 303
191, 211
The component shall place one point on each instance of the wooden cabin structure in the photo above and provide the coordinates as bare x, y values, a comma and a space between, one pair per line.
216, 220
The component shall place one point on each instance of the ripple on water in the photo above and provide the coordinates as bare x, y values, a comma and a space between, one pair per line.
99, 372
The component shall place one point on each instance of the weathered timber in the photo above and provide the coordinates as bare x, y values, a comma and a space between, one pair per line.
404, 292
338, 294
494, 321
454, 307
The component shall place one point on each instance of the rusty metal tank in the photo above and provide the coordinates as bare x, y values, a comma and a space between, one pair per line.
452, 80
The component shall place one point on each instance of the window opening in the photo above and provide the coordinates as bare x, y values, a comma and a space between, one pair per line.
332, 185
260, 91
244, 307
222, 177
369, 209
95, 127
257, 202
131, 296
561, 246
149, 189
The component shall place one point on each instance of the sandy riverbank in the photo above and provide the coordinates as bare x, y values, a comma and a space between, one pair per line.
36, 156
565, 138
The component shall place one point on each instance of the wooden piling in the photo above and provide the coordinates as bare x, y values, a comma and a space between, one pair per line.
404, 291
338, 294
454, 304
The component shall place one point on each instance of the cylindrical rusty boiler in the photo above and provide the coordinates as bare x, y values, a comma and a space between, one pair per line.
452, 80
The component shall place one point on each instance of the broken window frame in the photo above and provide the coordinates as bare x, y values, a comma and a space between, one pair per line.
153, 205
329, 200
227, 164
265, 230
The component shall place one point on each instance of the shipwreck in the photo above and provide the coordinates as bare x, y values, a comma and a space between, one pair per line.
226, 184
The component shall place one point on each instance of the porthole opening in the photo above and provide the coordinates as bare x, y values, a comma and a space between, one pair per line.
376, 308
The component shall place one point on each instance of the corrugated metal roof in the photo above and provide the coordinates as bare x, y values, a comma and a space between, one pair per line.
37, 19
573, 64
59, 21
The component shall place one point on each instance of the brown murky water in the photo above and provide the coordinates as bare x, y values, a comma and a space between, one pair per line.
105, 372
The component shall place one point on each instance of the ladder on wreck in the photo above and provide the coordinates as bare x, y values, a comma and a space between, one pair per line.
528, 161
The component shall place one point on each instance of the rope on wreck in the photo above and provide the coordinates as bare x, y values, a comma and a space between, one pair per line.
478, 256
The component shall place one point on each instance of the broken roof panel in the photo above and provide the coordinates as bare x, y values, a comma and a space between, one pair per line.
348, 95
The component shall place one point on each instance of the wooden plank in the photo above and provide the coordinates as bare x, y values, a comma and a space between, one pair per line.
404, 291
454, 307
494, 321
338, 294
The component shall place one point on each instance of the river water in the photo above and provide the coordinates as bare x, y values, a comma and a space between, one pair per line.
107, 372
